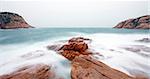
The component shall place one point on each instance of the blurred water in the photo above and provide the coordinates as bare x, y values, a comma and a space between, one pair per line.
109, 42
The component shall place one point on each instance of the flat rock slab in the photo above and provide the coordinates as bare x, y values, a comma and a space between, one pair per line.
38, 71
84, 67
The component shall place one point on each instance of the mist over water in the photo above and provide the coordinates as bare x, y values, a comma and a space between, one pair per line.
118, 48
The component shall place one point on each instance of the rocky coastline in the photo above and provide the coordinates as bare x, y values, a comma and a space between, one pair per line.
83, 65
76, 50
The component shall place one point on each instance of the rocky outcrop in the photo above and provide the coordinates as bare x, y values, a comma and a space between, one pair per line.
83, 65
142, 22
38, 71
10, 20
75, 47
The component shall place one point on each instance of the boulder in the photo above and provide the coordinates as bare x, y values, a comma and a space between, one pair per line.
74, 47
142, 22
10, 20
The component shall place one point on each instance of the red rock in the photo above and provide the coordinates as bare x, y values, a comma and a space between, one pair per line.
76, 44
39, 71
75, 47
142, 22
70, 54
84, 67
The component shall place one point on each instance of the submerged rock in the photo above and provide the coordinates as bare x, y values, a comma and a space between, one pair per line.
10, 20
146, 40
139, 49
142, 22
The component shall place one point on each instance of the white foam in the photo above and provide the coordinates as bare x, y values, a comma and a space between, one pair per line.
19, 55
110, 46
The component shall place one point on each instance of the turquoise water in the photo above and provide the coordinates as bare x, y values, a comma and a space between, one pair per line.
39, 34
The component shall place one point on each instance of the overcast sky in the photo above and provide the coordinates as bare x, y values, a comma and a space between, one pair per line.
98, 13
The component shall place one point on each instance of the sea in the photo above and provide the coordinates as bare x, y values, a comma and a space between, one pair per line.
121, 49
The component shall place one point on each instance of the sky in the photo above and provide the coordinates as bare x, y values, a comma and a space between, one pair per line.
76, 13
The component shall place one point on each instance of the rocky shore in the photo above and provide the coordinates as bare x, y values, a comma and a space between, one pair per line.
10, 20
83, 65
142, 22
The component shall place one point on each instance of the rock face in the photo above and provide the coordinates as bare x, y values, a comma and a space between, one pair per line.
12, 21
39, 71
142, 22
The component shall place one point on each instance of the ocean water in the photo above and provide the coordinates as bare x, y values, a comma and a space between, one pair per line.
118, 48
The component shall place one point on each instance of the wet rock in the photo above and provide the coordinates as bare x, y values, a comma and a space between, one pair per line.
142, 22
146, 40
70, 54
38, 71
55, 47
79, 39
84, 67
10, 20
74, 47
132, 49
139, 49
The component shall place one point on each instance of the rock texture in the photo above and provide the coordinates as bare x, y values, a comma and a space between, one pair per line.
75, 47
84, 67
10, 20
142, 22
38, 71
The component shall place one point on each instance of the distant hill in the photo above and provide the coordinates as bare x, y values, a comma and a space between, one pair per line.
142, 22
10, 20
